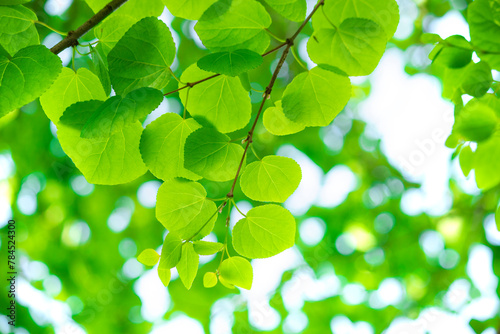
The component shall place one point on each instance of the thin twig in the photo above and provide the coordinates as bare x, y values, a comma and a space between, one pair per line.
72, 38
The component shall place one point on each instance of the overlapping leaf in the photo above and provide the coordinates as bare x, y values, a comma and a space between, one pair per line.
17, 28
188, 9
308, 99
26, 76
142, 57
278, 124
222, 101
211, 154
294, 10
188, 265
265, 231
231, 63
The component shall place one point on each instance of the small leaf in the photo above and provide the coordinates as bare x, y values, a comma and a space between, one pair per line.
237, 271
230, 63
188, 265
148, 257
273, 179
294, 10
26, 76
71, 87
142, 57
209, 280
355, 47
171, 251
278, 124
206, 247
227, 24
477, 79
211, 154
308, 98
178, 203
119, 112
477, 120
456, 52
164, 274
221, 101
188, 9
487, 163
266, 230
17, 29
162, 146
466, 159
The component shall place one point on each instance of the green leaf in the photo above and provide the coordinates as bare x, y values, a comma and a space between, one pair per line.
477, 79
278, 124
266, 230
428, 38
228, 25
178, 203
148, 257
477, 120
164, 274
273, 179
188, 265
207, 248
188, 9
69, 88
17, 28
109, 160
209, 280
221, 101
226, 283
171, 251
183, 209
237, 271
355, 47
383, 12
119, 112
142, 57
487, 163
308, 99
455, 53
466, 159
245, 81
134, 8
162, 146
100, 68
211, 154
111, 30
294, 10
26, 76
12, 2
484, 30
231, 63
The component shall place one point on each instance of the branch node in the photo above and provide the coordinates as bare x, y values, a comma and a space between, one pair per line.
289, 41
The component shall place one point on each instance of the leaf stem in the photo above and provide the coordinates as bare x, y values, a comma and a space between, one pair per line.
269, 88
186, 104
219, 208
299, 61
72, 37
274, 36
255, 153
327, 18
73, 58
50, 28
234, 203
175, 77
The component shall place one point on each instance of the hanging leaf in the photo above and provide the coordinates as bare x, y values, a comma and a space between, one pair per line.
26, 76
209, 280
211, 154
278, 124
188, 265
266, 231
273, 179
237, 271
207, 248
308, 100
171, 251
142, 57
222, 101
162, 146
17, 29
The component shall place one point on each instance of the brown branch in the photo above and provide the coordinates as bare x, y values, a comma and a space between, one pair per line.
73, 36
267, 92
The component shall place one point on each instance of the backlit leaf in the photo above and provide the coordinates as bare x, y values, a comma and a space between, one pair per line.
237, 271
294, 10
171, 251
17, 28
206, 247
188, 9
148, 257
231, 63
278, 124
188, 265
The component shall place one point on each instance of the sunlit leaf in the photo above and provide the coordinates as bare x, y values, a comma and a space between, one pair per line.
237, 271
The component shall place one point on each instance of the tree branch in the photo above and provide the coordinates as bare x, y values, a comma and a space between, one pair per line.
269, 88
73, 36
